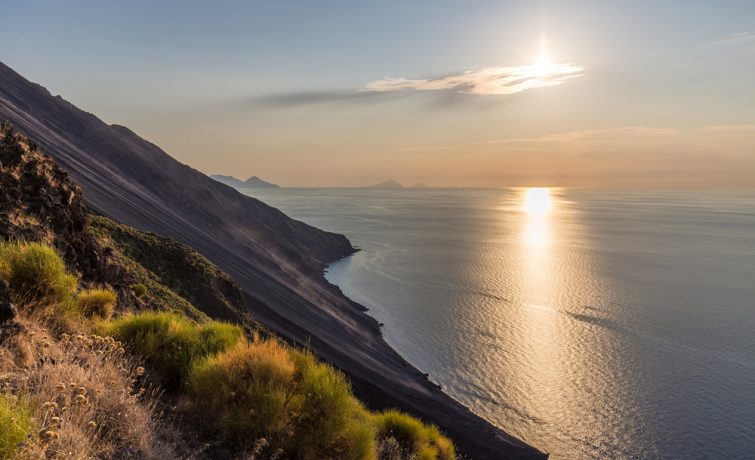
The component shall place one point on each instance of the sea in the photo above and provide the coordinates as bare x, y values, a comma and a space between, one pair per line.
589, 323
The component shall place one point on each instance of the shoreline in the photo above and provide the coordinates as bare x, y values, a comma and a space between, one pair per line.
460, 423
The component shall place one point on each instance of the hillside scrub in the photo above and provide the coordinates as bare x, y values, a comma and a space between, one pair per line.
139, 290
170, 342
83, 395
261, 389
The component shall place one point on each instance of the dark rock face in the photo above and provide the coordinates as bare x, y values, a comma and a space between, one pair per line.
276, 260
8, 311
38, 202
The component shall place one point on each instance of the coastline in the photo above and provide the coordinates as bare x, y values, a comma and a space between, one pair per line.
467, 429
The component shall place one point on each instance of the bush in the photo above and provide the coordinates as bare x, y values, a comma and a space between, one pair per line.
330, 418
414, 437
261, 389
247, 388
96, 303
170, 342
15, 424
35, 273
139, 290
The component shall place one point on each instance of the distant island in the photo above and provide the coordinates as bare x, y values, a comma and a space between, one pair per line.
252, 182
392, 184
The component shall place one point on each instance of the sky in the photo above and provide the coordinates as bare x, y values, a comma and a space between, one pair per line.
462, 94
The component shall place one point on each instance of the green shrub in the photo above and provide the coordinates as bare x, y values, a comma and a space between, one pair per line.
98, 303
170, 342
247, 388
330, 419
139, 290
15, 424
414, 437
36, 273
262, 389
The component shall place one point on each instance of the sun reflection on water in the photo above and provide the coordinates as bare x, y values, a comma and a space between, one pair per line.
537, 204
537, 201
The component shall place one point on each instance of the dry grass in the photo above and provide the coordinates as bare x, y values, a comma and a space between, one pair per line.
83, 394
36, 273
16, 423
96, 303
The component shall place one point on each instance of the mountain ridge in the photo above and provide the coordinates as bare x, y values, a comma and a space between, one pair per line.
252, 182
277, 261
388, 184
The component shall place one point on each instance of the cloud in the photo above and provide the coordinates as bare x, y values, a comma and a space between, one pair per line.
741, 38
316, 97
484, 81
728, 129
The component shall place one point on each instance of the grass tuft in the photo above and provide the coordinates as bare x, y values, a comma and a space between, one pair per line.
413, 437
99, 303
36, 273
15, 424
139, 290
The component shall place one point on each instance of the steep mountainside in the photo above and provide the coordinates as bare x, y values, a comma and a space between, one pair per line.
277, 261
38, 202
166, 262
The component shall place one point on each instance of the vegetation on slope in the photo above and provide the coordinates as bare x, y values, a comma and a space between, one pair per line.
208, 390
65, 392
157, 262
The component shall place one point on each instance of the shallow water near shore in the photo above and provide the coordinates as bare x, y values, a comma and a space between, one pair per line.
598, 324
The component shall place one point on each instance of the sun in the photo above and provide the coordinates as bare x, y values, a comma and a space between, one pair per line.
542, 65
537, 201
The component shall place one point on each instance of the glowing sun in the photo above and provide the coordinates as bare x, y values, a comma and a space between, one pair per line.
542, 65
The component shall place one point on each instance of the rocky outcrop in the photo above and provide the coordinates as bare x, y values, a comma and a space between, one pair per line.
38, 202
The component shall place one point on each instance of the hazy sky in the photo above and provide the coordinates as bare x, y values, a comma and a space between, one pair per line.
451, 93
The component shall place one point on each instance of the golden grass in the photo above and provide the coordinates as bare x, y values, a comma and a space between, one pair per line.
261, 389
15, 423
413, 438
35, 273
96, 303
83, 395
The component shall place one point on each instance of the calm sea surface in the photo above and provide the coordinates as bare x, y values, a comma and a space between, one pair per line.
595, 325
